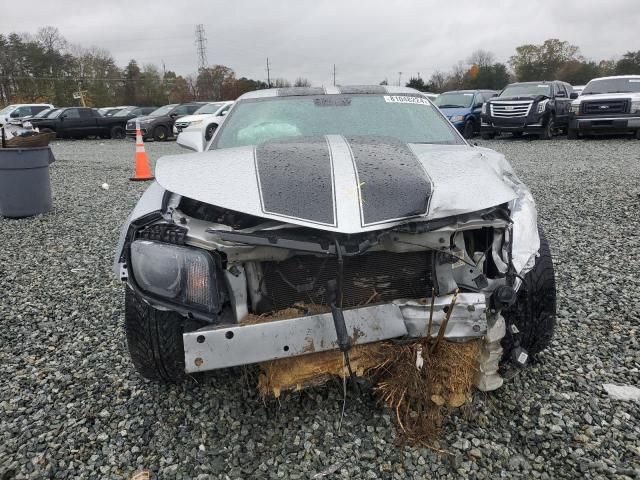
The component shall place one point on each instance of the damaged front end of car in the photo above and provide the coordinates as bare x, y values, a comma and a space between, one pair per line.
222, 268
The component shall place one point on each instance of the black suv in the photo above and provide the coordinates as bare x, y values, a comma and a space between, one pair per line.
540, 108
159, 123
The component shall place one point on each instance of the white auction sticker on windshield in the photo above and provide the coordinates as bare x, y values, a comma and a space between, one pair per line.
405, 99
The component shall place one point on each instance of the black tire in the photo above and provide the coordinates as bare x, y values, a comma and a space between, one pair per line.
210, 131
572, 134
638, 134
549, 128
488, 136
160, 133
117, 132
534, 313
154, 338
46, 130
467, 131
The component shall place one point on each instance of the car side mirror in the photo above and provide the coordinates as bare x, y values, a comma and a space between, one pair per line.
224, 113
173, 115
574, 95
478, 105
63, 116
561, 95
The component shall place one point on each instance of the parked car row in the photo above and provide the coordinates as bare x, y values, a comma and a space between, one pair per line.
546, 108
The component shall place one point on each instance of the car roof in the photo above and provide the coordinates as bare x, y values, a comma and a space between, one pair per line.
615, 76
469, 91
343, 89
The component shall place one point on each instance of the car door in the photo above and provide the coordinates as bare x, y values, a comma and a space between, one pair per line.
476, 108
70, 122
89, 122
562, 101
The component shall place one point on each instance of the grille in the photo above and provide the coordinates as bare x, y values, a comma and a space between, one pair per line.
605, 107
510, 109
373, 277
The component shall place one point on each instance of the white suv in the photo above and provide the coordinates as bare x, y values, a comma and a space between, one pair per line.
21, 110
213, 109
607, 105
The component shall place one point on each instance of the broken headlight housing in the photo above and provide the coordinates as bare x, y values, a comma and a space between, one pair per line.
635, 106
181, 275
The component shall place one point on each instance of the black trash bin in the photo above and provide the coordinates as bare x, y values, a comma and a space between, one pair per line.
25, 186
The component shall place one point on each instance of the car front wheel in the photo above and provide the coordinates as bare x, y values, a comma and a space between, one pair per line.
154, 338
467, 132
160, 133
549, 128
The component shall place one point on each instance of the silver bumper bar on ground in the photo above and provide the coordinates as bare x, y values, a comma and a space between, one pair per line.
227, 346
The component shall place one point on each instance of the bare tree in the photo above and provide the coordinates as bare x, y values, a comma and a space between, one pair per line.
481, 58
280, 83
302, 82
51, 38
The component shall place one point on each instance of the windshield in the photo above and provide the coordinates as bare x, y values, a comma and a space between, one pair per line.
111, 112
209, 108
8, 109
124, 112
612, 85
410, 118
55, 114
163, 110
526, 90
454, 100
44, 113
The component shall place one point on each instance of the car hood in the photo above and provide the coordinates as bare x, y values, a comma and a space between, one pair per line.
340, 184
147, 118
609, 96
450, 112
195, 118
535, 98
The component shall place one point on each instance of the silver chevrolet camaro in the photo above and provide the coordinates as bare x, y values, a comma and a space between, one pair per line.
364, 200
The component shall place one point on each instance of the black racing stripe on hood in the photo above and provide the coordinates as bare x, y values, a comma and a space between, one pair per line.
393, 183
296, 179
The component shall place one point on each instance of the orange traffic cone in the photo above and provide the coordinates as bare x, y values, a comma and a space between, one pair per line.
143, 172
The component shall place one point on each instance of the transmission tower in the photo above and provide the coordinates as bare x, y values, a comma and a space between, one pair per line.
201, 46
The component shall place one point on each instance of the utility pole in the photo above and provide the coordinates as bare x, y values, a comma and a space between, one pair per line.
201, 47
268, 74
399, 77
334, 74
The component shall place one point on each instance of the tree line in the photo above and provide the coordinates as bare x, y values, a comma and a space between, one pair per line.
46, 68
554, 59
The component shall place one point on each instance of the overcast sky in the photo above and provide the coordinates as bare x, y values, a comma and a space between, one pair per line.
368, 40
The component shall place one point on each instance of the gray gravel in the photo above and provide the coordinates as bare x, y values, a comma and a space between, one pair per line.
71, 405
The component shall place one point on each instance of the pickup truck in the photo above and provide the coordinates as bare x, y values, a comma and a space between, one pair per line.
607, 105
81, 122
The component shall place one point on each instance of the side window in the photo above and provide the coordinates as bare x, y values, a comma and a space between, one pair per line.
37, 109
86, 113
560, 90
479, 100
192, 108
72, 113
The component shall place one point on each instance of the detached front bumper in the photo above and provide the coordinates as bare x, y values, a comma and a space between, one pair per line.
593, 125
131, 133
232, 345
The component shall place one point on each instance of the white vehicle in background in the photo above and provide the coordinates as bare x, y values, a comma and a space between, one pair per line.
578, 89
21, 110
607, 105
213, 109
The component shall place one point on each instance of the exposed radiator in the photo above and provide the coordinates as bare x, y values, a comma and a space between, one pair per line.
368, 278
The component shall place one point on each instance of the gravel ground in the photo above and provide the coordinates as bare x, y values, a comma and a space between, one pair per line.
71, 405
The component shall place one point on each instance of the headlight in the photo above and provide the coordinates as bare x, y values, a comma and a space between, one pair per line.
182, 275
635, 106
542, 106
191, 124
484, 107
574, 108
457, 118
